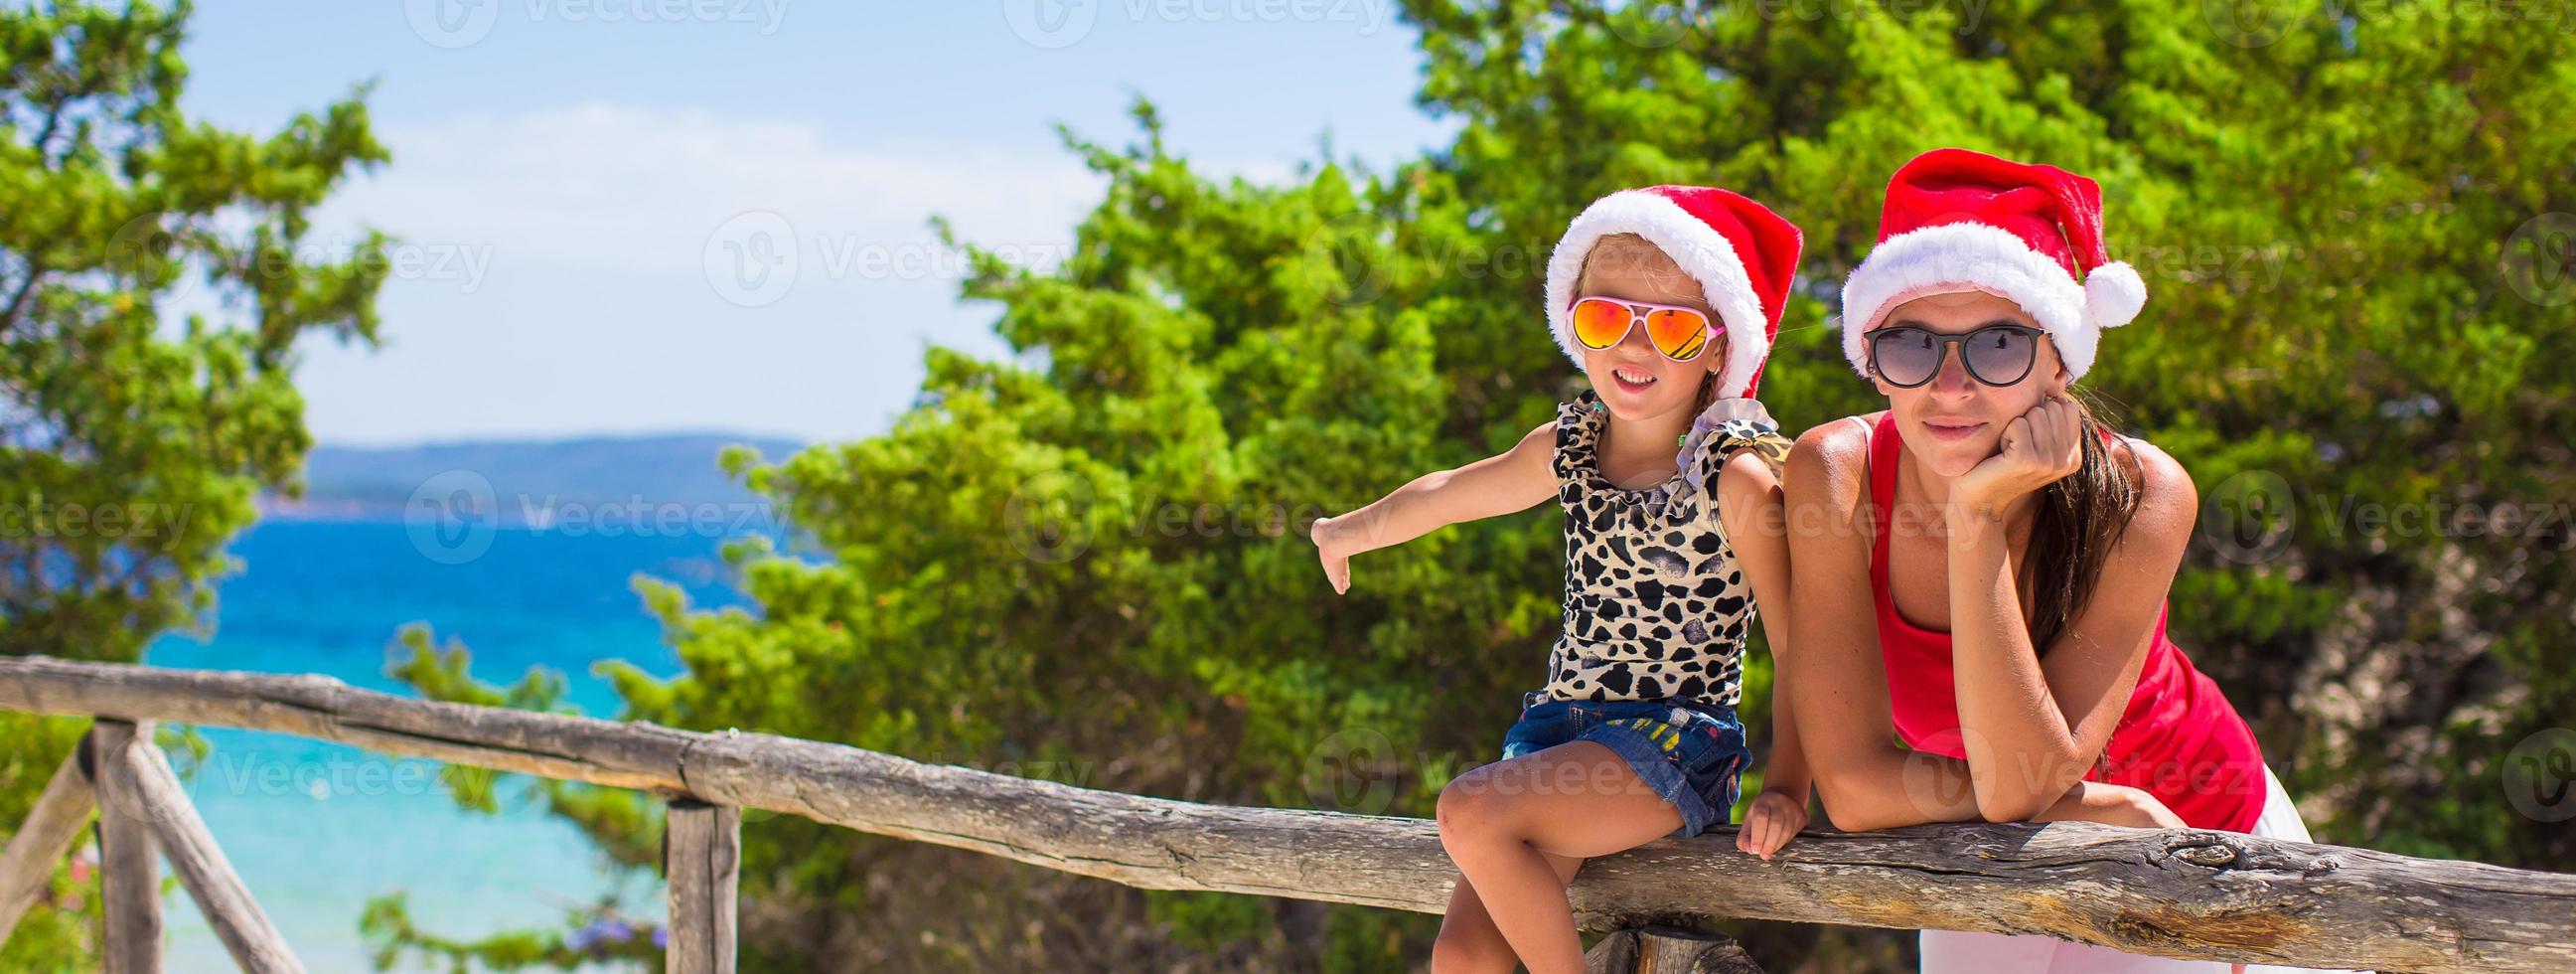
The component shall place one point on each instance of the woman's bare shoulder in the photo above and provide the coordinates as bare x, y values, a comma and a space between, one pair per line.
2168, 501
1828, 462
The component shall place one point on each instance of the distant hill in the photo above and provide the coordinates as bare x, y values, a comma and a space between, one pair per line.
374, 483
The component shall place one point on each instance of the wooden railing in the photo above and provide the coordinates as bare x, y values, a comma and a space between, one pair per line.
2185, 893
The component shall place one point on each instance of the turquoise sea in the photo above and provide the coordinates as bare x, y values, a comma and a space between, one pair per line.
317, 828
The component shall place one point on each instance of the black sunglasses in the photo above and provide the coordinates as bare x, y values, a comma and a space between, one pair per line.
1998, 354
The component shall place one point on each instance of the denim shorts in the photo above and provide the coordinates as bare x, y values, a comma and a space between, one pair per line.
1692, 752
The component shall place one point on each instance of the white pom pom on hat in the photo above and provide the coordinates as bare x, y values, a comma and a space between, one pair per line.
2113, 295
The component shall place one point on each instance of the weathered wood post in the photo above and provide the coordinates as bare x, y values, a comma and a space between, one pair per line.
49, 832
702, 861
1668, 950
129, 868
209, 878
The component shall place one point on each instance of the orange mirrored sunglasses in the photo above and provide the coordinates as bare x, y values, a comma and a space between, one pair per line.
1601, 322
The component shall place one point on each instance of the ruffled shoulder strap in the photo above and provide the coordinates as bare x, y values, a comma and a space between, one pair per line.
1578, 436
1727, 427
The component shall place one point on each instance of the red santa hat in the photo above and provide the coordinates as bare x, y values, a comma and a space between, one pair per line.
1742, 254
1957, 220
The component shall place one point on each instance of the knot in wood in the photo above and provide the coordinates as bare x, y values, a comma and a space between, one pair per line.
2215, 855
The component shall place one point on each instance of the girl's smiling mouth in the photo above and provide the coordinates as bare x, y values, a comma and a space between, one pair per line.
1632, 380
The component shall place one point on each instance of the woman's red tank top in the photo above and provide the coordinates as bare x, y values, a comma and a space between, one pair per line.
2178, 740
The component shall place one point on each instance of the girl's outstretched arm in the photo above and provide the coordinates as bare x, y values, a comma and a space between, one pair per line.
1516, 479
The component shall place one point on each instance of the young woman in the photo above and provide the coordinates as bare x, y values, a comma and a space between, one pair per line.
1979, 571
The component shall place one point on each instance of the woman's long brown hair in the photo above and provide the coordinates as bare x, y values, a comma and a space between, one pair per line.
2079, 520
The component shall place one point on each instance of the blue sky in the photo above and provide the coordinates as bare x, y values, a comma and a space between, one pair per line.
623, 216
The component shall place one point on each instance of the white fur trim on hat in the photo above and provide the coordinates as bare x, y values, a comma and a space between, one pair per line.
1953, 257
1702, 252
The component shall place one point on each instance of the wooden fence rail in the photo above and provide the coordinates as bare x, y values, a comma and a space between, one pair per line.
2185, 893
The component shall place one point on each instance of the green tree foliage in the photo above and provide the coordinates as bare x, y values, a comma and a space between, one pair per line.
2354, 224
131, 450
1081, 566
1084, 562
2357, 244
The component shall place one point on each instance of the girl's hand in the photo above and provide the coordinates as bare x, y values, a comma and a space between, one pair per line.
1774, 820
2040, 447
1337, 565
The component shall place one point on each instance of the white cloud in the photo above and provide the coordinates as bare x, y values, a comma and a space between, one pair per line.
627, 189
597, 302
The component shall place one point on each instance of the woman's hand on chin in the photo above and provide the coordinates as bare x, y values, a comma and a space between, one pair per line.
2040, 447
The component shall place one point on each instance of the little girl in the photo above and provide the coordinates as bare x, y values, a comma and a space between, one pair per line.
1668, 298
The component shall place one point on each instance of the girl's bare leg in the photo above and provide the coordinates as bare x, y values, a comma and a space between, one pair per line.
1500, 821
1469, 942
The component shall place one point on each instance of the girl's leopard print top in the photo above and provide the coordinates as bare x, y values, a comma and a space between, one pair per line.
1655, 604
